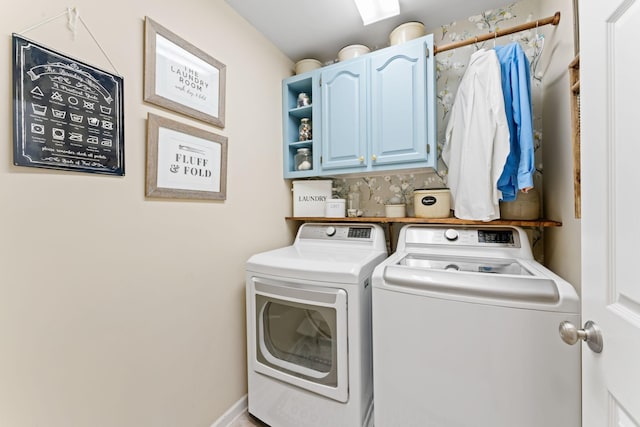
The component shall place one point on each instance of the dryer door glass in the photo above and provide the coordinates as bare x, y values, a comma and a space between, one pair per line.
300, 335
298, 338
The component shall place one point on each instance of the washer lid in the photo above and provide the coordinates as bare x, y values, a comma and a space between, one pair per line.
468, 264
466, 285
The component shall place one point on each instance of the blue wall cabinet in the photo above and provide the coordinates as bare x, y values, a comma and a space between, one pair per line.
372, 113
295, 108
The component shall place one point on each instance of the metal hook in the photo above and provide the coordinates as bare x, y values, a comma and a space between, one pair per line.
476, 39
495, 36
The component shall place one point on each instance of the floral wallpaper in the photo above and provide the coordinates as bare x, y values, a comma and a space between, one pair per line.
377, 190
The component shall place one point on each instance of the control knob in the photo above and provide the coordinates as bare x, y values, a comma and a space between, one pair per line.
451, 235
331, 230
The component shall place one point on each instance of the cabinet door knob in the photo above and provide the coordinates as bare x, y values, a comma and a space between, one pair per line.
374, 157
361, 159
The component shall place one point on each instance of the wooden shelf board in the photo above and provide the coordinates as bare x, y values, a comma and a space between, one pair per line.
412, 220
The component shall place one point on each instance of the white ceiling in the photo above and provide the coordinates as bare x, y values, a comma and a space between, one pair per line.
320, 28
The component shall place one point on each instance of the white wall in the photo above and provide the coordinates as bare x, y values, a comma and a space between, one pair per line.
562, 244
117, 310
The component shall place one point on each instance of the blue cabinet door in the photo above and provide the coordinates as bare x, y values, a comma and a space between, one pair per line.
344, 116
402, 103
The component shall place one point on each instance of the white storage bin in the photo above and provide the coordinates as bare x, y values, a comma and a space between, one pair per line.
395, 211
334, 208
352, 51
405, 32
307, 64
432, 203
309, 197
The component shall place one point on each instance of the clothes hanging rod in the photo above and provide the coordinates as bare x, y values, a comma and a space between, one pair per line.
553, 20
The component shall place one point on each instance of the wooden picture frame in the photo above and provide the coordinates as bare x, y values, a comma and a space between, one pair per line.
180, 77
574, 87
184, 162
576, 27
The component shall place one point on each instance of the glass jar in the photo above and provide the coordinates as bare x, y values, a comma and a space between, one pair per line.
305, 130
303, 100
303, 160
353, 198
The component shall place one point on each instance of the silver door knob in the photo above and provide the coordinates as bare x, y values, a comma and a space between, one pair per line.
591, 334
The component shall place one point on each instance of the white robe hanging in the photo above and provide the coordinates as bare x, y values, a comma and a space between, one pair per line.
477, 140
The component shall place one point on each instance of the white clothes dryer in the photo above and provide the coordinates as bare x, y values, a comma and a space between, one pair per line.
465, 333
309, 327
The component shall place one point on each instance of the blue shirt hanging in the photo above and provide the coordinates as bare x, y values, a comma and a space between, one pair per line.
516, 88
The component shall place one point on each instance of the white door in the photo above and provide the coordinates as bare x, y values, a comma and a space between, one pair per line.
610, 124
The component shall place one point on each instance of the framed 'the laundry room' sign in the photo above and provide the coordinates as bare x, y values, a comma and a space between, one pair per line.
67, 114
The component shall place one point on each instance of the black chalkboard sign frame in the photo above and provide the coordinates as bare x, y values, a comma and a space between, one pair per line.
67, 114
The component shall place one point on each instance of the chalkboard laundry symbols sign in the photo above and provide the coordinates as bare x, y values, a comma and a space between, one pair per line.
67, 114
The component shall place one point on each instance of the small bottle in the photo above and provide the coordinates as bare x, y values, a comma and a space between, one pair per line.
303, 159
305, 129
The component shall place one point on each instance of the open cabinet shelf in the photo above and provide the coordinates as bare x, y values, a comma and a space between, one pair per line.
412, 220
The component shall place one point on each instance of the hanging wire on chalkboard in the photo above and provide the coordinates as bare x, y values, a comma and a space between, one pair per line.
46, 21
73, 15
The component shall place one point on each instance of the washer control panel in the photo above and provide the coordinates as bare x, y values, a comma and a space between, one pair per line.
463, 236
500, 237
359, 232
336, 232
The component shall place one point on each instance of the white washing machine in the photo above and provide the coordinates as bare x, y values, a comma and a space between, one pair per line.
465, 333
309, 327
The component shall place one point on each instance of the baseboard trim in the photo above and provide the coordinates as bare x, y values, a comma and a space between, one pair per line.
235, 411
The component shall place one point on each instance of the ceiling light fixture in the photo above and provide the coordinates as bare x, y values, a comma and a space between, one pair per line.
376, 10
